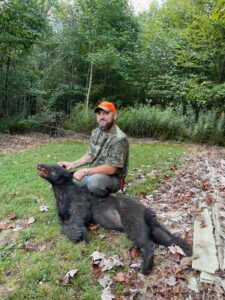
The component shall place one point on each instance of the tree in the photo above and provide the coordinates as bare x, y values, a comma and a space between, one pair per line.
21, 25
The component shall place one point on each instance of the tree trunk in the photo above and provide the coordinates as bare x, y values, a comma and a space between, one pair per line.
89, 88
5, 108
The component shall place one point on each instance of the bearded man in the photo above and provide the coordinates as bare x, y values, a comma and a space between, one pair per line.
107, 155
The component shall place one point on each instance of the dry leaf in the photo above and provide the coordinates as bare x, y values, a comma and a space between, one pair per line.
119, 277
13, 216
202, 224
107, 294
93, 226
134, 252
69, 275
31, 220
39, 199
105, 281
209, 199
43, 208
3, 226
186, 261
28, 246
12, 225
205, 185
171, 281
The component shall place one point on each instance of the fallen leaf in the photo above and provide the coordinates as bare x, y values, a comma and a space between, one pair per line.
184, 199
39, 199
69, 275
31, 220
97, 257
186, 261
180, 275
171, 281
105, 263
111, 262
119, 277
13, 216
202, 224
209, 199
28, 246
13, 195
43, 208
97, 272
3, 226
93, 226
197, 210
205, 185
135, 266
143, 193
134, 252
12, 225
105, 281
107, 294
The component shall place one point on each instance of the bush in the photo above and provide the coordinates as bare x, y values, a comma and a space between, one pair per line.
209, 129
149, 121
80, 121
19, 124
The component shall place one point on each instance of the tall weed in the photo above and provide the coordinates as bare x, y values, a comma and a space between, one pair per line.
80, 120
154, 122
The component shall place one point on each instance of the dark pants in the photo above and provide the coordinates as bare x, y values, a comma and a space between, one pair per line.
100, 185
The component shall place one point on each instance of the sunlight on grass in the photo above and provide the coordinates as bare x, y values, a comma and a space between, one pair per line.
36, 274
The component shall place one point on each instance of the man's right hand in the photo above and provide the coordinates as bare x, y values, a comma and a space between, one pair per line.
66, 164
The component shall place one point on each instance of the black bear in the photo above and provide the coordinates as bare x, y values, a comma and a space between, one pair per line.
77, 208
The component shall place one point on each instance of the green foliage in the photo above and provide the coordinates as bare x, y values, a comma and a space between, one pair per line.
152, 122
209, 129
165, 124
80, 120
21, 25
19, 124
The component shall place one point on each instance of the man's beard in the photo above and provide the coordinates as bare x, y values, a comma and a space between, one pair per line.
107, 126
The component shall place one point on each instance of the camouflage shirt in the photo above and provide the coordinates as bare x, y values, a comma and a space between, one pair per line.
111, 149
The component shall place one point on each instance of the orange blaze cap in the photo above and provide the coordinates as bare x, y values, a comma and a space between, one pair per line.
107, 106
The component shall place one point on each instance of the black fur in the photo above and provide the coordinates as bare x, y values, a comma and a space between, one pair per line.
77, 208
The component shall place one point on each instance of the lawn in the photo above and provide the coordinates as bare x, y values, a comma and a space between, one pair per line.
34, 255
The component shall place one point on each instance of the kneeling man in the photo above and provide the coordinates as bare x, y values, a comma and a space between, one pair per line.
107, 155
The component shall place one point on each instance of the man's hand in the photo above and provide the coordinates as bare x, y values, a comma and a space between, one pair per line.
66, 164
78, 175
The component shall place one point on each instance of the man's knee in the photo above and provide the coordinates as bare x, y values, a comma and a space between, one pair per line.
96, 185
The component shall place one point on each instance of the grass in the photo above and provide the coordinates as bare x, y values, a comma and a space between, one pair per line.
36, 274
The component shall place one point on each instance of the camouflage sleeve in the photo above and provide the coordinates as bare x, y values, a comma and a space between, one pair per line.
118, 153
90, 150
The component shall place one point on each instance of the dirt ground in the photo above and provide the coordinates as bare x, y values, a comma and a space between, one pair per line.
198, 185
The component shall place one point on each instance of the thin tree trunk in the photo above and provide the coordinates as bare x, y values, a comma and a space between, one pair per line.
89, 81
89, 87
6, 110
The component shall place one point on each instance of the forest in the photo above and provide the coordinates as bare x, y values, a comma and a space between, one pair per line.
60, 57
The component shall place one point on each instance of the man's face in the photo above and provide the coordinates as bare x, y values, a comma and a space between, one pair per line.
105, 119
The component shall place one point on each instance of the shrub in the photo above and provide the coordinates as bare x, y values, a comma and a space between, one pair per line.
20, 124
80, 121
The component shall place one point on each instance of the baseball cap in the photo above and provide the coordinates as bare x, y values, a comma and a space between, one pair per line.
107, 106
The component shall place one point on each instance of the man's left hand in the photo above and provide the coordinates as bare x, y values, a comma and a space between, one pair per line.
78, 175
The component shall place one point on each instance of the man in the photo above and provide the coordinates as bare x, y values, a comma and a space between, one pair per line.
107, 155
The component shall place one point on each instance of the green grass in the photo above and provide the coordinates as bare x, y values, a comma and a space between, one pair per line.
36, 275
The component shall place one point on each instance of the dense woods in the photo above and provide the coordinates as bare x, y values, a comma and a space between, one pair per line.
57, 54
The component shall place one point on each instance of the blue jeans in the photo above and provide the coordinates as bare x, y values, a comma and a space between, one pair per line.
100, 185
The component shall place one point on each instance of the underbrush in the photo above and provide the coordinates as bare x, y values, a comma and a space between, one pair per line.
144, 121
154, 122
35, 272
